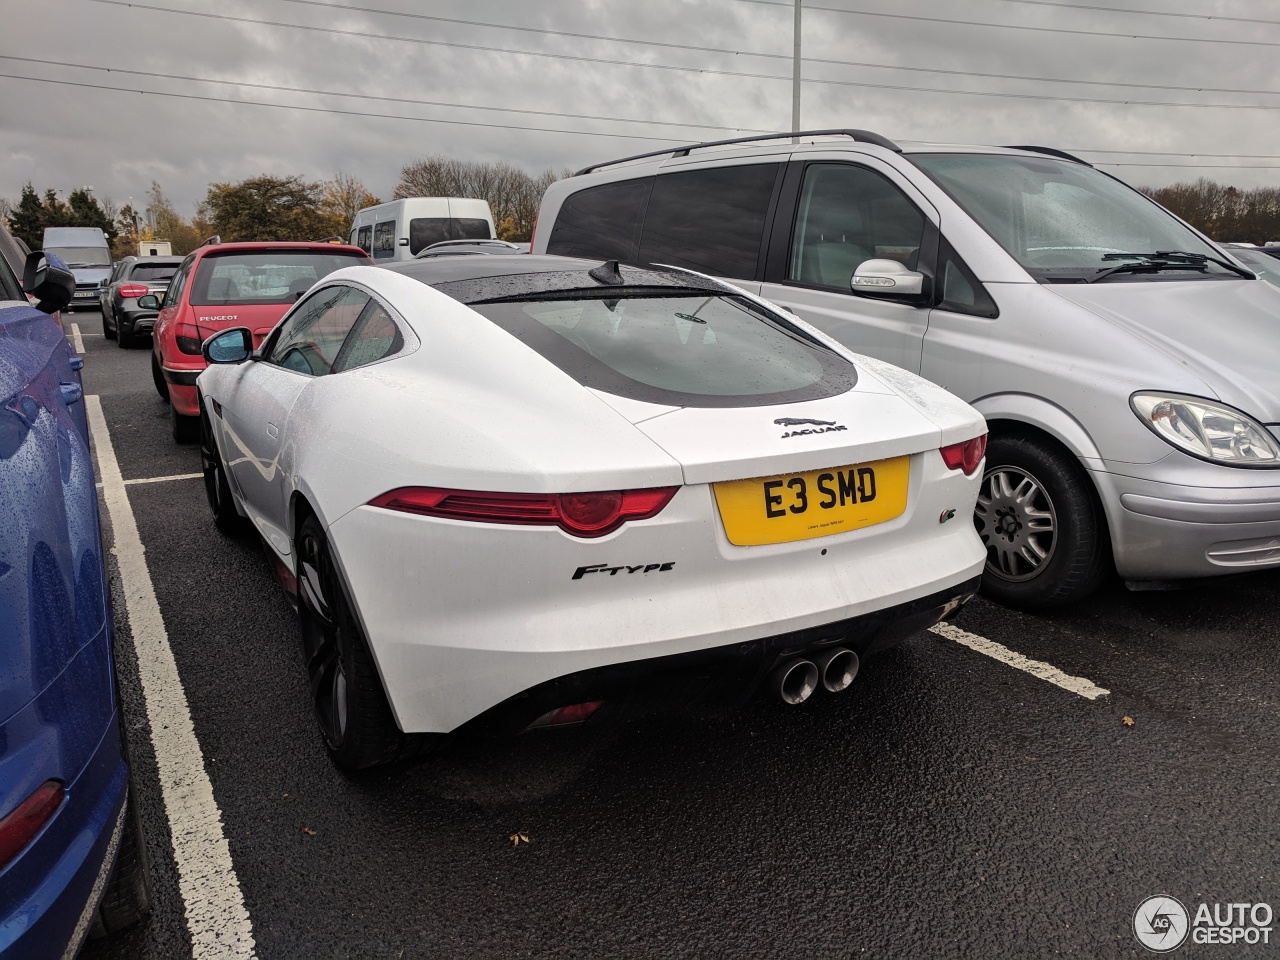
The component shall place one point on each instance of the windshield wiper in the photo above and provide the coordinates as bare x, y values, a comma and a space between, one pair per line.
1165, 260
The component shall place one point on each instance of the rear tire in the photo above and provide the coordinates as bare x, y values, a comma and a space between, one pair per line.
124, 337
347, 695
185, 429
127, 898
157, 377
1038, 518
217, 488
108, 330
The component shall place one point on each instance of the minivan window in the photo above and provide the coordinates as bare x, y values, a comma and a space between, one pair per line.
364, 238
601, 222
709, 220
1063, 221
424, 231
698, 350
961, 291
384, 240
848, 214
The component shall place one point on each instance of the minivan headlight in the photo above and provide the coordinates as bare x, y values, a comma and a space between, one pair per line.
1207, 429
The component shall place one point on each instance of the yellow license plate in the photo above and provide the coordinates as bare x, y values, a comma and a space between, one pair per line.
802, 506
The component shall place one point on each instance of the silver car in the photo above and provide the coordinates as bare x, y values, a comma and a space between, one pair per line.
1126, 365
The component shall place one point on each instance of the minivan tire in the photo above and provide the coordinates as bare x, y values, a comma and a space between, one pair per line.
1041, 524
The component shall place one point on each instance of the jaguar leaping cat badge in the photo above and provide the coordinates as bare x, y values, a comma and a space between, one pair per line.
819, 426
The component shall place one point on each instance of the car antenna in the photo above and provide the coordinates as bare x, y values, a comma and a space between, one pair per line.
607, 273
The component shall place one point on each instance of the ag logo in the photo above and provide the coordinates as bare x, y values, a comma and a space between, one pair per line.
1160, 923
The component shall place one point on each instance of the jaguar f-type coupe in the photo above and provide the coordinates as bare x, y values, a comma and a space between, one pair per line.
512, 492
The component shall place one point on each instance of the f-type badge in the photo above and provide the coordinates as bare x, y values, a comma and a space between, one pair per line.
819, 426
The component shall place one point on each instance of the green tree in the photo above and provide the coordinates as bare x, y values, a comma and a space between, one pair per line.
266, 208
26, 222
83, 210
56, 213
167, 224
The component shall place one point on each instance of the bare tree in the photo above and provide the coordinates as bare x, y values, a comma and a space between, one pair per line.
513, 195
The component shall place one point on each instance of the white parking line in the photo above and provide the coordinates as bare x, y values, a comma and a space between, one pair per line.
76, 338
1045, 671
216, 915
175, 476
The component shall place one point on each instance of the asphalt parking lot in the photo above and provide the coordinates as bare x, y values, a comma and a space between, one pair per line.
949, 804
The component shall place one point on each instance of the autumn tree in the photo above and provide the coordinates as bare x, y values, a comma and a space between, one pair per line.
512, 194
168, 224
340, 200
1223, 212
266, 207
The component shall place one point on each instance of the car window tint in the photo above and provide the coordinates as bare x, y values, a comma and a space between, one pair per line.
961, 291
309, 341
709, 220
153, 271
685, 350
374, 337
364, 238
848, 214
601, 222
384, 240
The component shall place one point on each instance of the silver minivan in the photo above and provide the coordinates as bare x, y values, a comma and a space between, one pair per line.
1129, 369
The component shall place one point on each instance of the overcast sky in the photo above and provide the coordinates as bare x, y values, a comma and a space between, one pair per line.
64, 136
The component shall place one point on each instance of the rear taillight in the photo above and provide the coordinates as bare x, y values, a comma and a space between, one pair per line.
130, 290
20, 827
580, 514
965, 456
188, 337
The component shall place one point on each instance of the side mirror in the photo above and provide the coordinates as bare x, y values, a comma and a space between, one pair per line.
49, 281
149, 301
229, 346
888, 279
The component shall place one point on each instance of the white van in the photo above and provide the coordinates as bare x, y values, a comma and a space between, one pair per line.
399, 230
88, 256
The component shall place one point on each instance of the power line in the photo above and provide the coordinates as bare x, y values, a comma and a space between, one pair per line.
553, 33
349, 113
363, 96
1142, 13
1015, 26
1196, 166
700, 70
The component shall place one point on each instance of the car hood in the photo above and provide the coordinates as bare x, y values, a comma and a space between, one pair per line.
1226, 332
91, 274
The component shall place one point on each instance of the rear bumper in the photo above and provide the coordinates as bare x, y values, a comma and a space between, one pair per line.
462, 617
1176, 531
720, 677
182, 389
50, 892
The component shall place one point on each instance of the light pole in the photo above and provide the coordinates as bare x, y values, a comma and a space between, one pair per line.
795, 74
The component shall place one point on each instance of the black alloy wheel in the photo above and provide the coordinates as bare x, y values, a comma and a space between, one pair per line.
157, 377
217, 487
346, 692
1041, 525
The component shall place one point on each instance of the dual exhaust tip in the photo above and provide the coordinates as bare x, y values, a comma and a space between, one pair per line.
796, 680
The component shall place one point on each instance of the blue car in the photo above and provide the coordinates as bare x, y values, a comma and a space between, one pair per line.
72, 860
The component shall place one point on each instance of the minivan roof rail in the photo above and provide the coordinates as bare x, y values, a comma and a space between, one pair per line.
1050, 151
861, 136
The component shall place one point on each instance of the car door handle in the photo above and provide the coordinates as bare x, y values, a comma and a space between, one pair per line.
71, 393
272, 430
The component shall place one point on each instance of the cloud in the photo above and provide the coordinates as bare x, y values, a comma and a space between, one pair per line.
68, 136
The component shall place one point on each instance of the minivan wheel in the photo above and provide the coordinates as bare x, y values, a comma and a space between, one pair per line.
1040, 524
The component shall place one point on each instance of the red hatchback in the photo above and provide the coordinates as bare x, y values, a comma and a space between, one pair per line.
230, 285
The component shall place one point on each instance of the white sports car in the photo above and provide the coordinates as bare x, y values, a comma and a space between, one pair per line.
520, 491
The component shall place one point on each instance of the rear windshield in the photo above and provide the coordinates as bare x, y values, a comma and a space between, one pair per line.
270, 276
684, 350
424, 231
82, 256
153, 271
